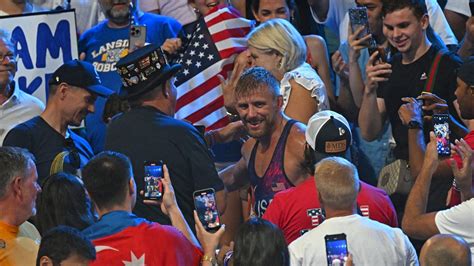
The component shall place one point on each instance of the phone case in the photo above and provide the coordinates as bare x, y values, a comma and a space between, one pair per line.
137, 36
358, 18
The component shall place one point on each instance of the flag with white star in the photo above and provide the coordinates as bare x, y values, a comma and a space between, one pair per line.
217, 39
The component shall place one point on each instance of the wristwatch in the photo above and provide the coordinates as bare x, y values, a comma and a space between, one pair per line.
414, 124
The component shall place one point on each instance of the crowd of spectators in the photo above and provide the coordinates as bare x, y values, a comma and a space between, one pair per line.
332, 133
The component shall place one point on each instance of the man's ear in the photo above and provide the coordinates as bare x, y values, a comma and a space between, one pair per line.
46, 261
16, 187
166, 90
425, 21
131, 186
279, 101
62, 90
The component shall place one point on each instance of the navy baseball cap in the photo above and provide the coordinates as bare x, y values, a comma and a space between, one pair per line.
80, 74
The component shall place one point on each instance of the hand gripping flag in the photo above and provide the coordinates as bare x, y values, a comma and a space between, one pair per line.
217, 39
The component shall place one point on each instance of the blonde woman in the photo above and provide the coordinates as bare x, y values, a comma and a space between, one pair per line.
278, 47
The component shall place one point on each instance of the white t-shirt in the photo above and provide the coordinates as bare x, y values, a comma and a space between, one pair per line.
338, 19
307, 77
19, 108
369, 242
459, 6
178, 9
458, 220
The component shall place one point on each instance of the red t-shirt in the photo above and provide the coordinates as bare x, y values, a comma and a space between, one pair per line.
455, 198
297, 210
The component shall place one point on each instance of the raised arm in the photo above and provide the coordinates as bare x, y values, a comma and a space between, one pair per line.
416, 222
235, 176
372, 110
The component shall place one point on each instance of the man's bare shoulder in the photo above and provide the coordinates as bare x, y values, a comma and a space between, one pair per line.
297, 134
247, 148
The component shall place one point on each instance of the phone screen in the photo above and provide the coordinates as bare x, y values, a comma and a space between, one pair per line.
441, 130
206, 207
153, 180
336, 249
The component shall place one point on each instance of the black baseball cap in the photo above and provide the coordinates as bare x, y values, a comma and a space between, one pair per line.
466, 71
80, 74
329, 134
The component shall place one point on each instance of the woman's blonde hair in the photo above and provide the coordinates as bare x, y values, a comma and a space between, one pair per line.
280, 37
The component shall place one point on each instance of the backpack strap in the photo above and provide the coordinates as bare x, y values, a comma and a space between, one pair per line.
433, 71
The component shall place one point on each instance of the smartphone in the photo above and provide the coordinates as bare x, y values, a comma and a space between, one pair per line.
336, 249
153, 180
137, 36
359, 18
206, 208
441, 130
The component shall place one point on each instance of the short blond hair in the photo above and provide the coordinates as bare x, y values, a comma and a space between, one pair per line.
279, 36
337, 182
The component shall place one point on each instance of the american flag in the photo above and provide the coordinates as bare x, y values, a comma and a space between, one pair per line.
212, 47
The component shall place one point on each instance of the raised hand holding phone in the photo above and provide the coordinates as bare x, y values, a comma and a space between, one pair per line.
168, 200
441, 130
206, 208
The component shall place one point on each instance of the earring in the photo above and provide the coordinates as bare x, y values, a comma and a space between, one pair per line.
196, 10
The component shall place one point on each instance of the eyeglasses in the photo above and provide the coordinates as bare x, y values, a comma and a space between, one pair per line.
74, 157
10, 57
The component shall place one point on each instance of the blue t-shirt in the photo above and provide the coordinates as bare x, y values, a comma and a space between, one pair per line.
104, 47
45, 143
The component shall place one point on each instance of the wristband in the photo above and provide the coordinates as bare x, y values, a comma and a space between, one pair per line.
211, 259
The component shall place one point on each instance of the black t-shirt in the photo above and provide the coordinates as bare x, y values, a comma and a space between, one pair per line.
409, 81
44, 142
147, 134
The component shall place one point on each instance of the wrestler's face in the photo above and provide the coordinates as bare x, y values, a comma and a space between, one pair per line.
268, 9
117, 11
258, 111
7, 65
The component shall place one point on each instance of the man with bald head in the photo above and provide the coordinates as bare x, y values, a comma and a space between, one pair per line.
445, 249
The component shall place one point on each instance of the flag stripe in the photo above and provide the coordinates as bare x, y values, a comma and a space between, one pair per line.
219, 124
198, 103
207, 109
213, 117
237, 34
